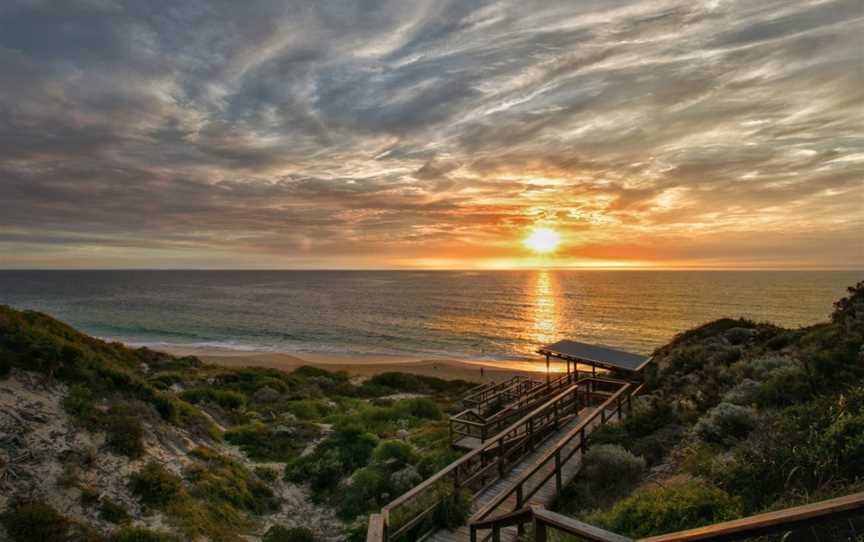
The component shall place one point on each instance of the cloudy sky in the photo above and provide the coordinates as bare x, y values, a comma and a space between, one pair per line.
359, 134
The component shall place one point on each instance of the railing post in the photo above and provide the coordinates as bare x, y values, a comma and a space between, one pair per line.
473, 533
620, 414
558, 472
531, 434
557, 418
539, 530
519, 496
496, 533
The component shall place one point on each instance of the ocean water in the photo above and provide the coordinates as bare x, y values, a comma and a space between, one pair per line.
469, 315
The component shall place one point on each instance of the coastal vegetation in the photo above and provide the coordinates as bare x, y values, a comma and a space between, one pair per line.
245, 437
738, 418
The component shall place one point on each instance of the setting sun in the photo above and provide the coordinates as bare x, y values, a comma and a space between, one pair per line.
542, 240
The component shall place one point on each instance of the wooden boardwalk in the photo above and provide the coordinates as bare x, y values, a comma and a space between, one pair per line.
545, 495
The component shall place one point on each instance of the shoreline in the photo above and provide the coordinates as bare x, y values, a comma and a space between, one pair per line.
367, 365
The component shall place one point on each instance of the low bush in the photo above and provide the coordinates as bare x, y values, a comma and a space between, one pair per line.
155, 486
266, 473
363, 492
453, 512
788, 385
35, 521
123, 431
262, 442
726, 423
649, 414
420, 407
230, 400
278, 533
744, 393
137, 534
667, 509
394, 453
611, 468
655, 446
219, 478
112, 512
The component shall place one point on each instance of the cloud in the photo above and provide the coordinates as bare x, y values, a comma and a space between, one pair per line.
360, 133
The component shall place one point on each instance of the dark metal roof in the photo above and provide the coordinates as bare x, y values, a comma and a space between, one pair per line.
601, 356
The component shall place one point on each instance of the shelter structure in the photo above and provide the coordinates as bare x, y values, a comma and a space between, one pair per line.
594, 355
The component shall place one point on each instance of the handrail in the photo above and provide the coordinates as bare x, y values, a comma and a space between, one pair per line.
461, 427
770, 522
553, 455
492, 442
515, 435
761, 524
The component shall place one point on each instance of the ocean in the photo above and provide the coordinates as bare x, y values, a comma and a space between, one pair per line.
494, 315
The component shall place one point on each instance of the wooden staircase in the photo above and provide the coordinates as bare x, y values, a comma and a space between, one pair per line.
531, 460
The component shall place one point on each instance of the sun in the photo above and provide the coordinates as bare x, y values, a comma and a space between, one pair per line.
542, 240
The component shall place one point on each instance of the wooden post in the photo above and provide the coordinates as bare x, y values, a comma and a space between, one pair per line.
531, 434
557, 417
496, 533
519, 496
547, 369
558, 472
539, 530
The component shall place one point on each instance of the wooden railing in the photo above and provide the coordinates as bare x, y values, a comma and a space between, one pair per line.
478, 469
496, 392
469, 423
781, 521
568, 446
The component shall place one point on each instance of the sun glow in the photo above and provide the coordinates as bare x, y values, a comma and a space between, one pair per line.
542, 240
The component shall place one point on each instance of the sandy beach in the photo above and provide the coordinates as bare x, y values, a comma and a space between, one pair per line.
368, 365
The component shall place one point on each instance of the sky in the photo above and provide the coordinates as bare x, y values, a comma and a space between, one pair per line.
403, 134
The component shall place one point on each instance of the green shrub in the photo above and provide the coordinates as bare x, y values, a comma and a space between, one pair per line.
230, 400
80, 404
610, 433
649, 414
123, 431
363, 492
35, 521
453, 512
655, 446
308, 371
323, 470
112, 512
788, 385
666, 509
609, 467
89, 497
419, 408
5, 366
394, 453
155, 486
262, 442
744, 393
220, 478
137, 534
726, 423
266, 473
278, 533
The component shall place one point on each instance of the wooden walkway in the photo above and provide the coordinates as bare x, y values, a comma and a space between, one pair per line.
545, 496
